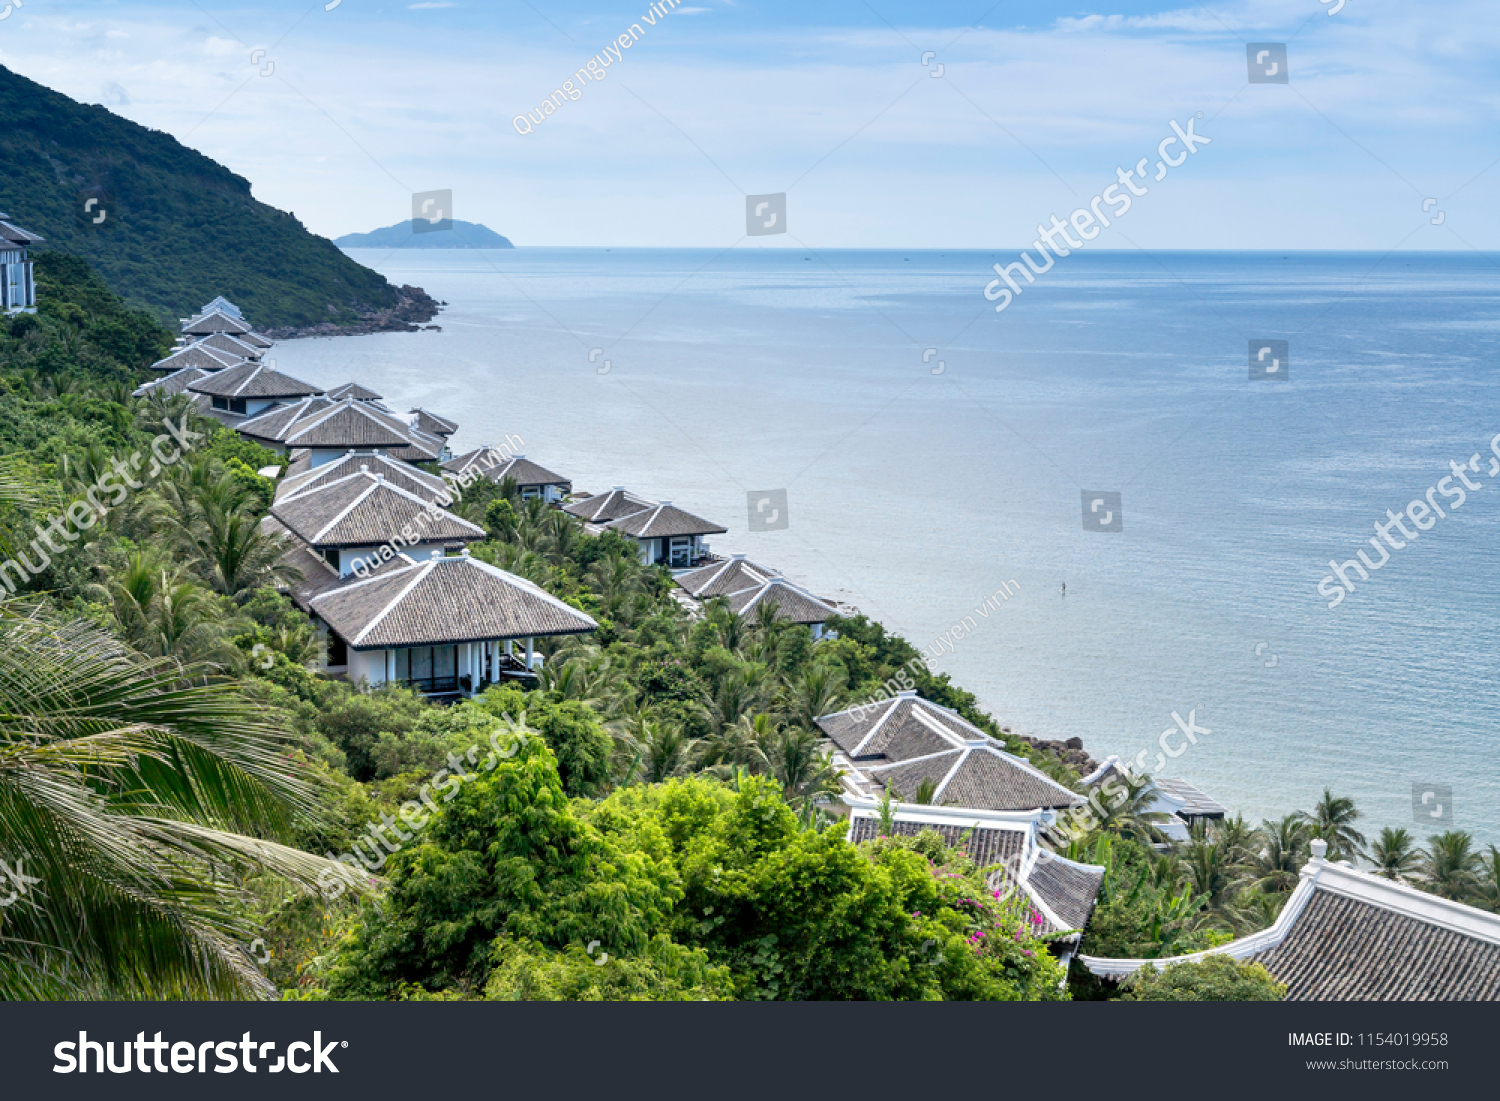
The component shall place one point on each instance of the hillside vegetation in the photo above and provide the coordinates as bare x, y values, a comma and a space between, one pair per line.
180, 228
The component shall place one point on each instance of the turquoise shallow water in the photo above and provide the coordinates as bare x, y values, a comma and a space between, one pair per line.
915, 494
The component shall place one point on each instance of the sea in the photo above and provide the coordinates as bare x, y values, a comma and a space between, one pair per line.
941, 463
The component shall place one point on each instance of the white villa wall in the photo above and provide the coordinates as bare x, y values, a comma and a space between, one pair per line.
369, 664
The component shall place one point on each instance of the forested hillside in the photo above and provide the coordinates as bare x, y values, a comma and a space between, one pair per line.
179, 227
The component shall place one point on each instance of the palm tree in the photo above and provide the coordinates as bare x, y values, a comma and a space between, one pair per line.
657, 750
1210, 866
1395, 855
737, 693
235, 552
163, 614
1284, 849
1333, 820
1488, 892
1124, 806
816, 691
743, 746
1451, 867
616, 579
126, 799
800, 766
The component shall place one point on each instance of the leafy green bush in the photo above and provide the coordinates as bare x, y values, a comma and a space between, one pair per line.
1215, 978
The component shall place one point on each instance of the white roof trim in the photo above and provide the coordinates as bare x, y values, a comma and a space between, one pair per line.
422, 571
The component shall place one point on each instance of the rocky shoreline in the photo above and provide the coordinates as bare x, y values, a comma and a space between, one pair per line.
1071, 752
414, 307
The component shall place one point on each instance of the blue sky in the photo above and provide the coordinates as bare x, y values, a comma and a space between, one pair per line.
1389, 104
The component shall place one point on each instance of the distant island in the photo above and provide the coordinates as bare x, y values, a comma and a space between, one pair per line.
462, 235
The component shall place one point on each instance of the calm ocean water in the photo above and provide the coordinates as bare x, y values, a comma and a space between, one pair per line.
915, 494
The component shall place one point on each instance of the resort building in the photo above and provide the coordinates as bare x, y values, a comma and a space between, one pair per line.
196, 355
497, 465
604, 507
667, 535
921, 752
356, 391
176, 383
215, 321
329, 430
431, 423
747, 587
346, 521
301, 475
1009, 845
446, 626
1350, 935
249, 390
233, 345
17, 281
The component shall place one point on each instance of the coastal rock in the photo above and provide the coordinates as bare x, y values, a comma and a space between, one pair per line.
1070, 752
413, 308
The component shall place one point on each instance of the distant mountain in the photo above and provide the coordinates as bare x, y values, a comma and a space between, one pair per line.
462, 235
177, 228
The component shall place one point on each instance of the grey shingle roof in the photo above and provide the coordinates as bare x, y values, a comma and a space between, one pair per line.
905, 740
302, 476
1348, 949
497, 467
17, 236
253, 380
223, 342
433, 424
215, 322
664, 520
273, 423
196, 355
792, 602
175, 383
1069, 889
353, 390
445, 600
255, 339
604, 507
347, 424
363, 509
732, 575
984, 845
222, 305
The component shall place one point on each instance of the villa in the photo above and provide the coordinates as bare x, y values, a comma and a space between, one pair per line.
329, 430
531, 479
446, 626
17, 281
911, 748
301, 475
215, 320
1350, 935
233, 345
790, 602
431, 423
196, 355
249, 390
1010, 845
604, 507
353, 390
345, 521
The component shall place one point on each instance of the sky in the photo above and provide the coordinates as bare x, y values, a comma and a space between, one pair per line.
339, 110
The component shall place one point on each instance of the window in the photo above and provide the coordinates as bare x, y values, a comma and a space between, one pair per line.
428, 668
